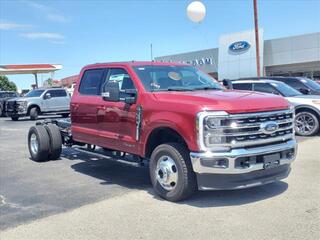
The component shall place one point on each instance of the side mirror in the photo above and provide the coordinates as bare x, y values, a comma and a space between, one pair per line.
111, 91
304, 91
47, 96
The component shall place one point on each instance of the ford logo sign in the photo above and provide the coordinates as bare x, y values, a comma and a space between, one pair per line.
269, 127
238, 47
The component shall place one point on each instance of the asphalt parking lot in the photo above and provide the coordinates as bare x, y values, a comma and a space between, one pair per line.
82, 196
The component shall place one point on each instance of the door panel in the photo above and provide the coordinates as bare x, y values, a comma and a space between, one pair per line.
117, 120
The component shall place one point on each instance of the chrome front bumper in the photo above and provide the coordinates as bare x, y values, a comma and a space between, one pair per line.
201, 161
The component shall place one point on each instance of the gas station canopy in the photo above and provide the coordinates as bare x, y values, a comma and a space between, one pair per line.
34, 69
29, 68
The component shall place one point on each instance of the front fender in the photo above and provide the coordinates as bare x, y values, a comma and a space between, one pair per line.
183, 124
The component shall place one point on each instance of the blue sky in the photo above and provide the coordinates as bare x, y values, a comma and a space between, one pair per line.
75, 33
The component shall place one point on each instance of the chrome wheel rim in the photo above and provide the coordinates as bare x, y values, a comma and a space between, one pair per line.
305, 123
167, 173
34, 145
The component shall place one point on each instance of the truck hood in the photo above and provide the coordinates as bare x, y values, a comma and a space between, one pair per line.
18, 99
230, 101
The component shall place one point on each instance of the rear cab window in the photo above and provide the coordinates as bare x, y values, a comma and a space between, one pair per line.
91, 81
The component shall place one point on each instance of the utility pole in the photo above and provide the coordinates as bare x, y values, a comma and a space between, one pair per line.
151, 52
256, 27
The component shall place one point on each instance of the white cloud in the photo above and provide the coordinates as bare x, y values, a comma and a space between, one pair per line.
48, 11
38, 6
11, 26
55, 37
57, 18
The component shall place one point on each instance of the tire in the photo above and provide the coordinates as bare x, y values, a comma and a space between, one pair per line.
306, 123
55, 141
14, 118
186, 182
34, 112
41, 152
1, 112
65, 115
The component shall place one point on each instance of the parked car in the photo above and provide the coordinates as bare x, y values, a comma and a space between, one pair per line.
307, 107
4, 96
194, 133
39, 102
304, 85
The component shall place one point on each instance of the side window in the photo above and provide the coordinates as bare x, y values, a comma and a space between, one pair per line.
91, 82
52, 93
242, 86
295, 84
121, 76
265, 87
60, 93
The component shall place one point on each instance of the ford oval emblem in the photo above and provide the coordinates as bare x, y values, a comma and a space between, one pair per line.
269, 127
238, 47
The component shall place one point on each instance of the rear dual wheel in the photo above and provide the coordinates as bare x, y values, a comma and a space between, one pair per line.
171, 172
44, 142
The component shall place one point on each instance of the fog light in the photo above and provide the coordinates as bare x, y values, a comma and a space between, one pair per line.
290, 154
220, 163
216, 163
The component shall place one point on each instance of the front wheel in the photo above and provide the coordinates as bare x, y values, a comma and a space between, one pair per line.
171, 172
34, 113
306, 123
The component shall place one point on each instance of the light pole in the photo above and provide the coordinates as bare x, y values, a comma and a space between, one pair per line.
256, 27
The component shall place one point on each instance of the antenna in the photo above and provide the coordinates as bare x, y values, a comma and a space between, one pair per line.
151, 52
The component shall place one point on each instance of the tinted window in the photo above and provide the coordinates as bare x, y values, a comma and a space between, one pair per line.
121, 76
34, 93
61, 93
293, 83
91, 82
265, 87
242, 86
57, 93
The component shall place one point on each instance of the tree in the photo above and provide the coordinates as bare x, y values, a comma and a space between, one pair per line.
6, 85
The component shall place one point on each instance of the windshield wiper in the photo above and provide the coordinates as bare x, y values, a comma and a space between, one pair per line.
181, 89
207, 88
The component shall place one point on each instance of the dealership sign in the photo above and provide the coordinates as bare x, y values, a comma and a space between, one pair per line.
200, 62
239, 47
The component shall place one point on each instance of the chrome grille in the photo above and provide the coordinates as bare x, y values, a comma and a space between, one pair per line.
244, 130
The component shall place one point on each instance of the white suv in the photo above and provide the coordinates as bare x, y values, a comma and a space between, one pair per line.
39, 102
307, 107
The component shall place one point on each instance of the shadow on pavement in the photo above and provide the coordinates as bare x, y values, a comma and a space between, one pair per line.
109, 170
112, 171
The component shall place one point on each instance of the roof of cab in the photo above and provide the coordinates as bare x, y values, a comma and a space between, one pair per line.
138, 63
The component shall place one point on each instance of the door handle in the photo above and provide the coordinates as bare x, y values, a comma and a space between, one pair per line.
101, 108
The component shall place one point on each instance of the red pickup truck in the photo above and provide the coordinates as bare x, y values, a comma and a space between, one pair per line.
193, 133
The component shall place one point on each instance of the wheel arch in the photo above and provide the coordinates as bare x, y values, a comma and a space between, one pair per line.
308, 109
32, 106
161, 135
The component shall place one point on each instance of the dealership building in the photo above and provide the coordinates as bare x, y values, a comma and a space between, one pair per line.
236, 56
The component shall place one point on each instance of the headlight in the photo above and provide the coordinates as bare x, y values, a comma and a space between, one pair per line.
209, 129
317, 102
22, 105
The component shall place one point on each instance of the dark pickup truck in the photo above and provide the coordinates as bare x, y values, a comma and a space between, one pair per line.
4, 96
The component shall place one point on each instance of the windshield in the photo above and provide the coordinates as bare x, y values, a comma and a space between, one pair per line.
286, 90
311, 84
8, 95
175, 78
34, 93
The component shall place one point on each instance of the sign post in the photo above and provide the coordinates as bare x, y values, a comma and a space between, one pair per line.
256, 36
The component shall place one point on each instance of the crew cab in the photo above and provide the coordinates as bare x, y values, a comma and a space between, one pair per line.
39, 102
192, 132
